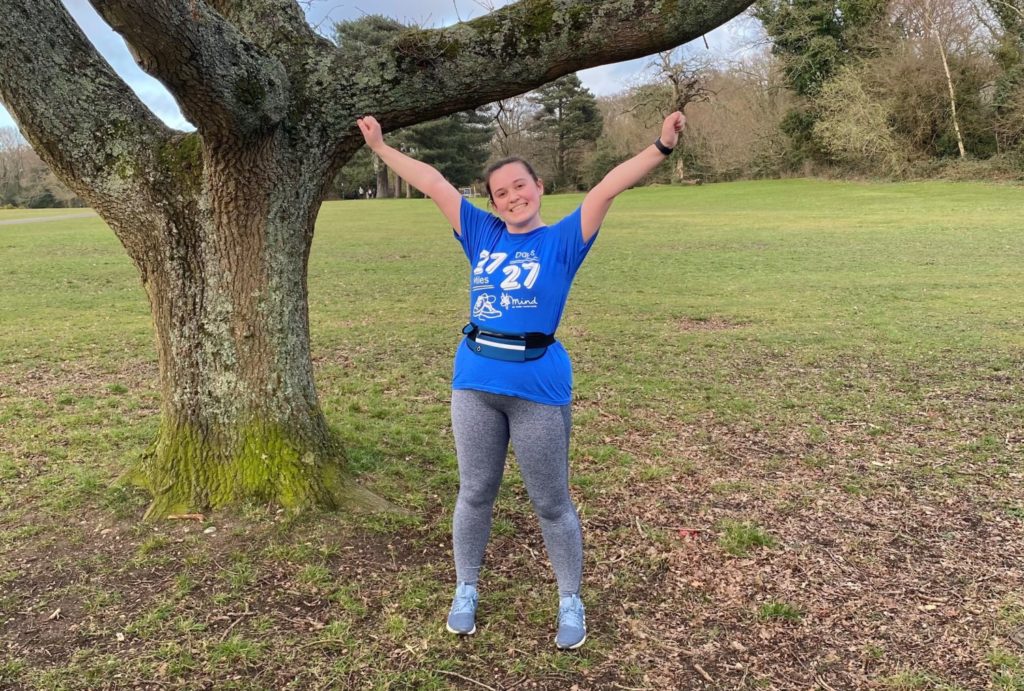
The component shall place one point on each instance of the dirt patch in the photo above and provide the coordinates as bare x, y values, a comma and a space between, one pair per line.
706, 324
46, 382
908, 570
99, 584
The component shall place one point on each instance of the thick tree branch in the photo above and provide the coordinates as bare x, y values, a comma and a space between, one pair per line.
424, 74
225, 84
278, 26
80, 117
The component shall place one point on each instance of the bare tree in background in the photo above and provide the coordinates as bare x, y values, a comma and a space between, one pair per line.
24, 179
679, 79
688, 75
511, 121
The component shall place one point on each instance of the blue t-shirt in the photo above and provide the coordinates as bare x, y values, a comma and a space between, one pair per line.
519, 283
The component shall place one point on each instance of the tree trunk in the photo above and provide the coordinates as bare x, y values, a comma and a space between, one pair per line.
381, 171
679, 168
952, 99
932, 28
227, 285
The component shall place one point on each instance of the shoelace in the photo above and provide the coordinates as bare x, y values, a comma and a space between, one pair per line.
571, 614
464, 604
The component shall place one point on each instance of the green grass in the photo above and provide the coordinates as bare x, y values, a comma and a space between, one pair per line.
739, 538
779, 610
749, 360
913, 680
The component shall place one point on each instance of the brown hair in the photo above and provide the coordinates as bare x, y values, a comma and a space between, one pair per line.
501, 164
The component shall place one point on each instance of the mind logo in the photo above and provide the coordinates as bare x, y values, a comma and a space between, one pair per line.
509, 302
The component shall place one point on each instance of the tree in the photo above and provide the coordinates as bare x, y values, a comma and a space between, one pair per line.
24, 178
457, 145
356, 174
357, 41
940, 23
942, 77
219, 222
567, 118
1008, 51
737, 133
854, 126
679, 81
688, 76
12, 166
814, 38
511, 121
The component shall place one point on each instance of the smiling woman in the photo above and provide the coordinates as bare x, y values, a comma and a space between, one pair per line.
512, 379
514, 190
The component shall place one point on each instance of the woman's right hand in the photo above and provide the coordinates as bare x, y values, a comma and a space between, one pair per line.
671, 128
371, 131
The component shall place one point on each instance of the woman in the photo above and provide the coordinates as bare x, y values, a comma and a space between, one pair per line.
512, 379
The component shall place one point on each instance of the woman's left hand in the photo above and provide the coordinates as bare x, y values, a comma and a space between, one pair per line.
671, 128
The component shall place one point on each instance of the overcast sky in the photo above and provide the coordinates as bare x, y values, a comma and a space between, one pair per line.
726, 41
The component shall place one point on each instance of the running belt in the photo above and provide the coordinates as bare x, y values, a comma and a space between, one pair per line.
509, 347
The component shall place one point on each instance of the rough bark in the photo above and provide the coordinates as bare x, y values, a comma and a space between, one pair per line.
219, 222
224, 83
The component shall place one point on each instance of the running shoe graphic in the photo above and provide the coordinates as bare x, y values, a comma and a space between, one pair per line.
484, 307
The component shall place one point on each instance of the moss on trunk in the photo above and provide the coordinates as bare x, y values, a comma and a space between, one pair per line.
188, 469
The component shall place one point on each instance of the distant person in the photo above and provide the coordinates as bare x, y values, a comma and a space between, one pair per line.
512, 379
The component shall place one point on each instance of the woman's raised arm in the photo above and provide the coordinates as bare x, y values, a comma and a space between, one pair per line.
626, 174
420, 175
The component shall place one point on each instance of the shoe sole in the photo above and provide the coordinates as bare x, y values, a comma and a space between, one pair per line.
572, 647
461, 633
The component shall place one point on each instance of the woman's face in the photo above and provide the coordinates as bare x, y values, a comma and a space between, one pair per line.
515, 195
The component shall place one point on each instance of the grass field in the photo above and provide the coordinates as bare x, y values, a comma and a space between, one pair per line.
798, 456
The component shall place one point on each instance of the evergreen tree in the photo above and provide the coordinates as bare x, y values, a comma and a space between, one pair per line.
359, 38
457, 145
567, 119
357, 174
814, 38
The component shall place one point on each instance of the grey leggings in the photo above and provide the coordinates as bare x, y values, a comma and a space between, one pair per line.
483, 423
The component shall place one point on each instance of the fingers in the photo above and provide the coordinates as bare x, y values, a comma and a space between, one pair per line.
671, 128
370, 128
